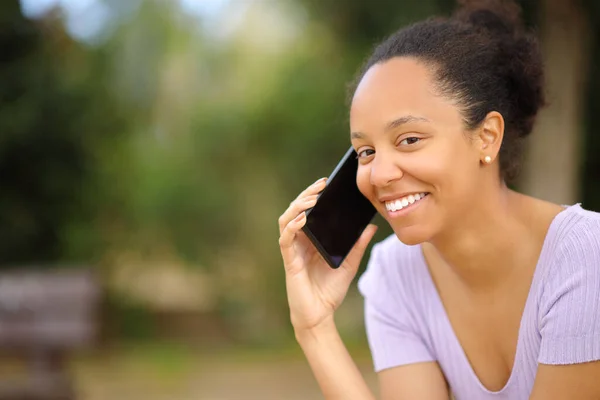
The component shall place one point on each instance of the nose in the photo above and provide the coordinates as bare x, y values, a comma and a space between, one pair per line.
384, 170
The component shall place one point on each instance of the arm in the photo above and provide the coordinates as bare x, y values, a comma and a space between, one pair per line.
569, 360
566, 382
339, 377
413, 382
334, 369
314, 293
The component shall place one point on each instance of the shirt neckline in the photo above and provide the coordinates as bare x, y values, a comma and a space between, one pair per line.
545, 251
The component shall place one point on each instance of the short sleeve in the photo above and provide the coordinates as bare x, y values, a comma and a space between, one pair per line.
570, 307
393, 338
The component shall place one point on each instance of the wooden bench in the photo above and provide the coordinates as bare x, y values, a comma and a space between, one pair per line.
45, 315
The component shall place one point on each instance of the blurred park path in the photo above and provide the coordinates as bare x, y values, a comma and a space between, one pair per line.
290, 380
177, 374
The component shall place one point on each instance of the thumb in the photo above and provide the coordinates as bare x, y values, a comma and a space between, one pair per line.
358, 250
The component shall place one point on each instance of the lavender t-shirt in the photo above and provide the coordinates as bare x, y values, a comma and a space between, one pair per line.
407, 323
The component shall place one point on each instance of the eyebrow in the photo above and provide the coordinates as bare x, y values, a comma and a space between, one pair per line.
393, 125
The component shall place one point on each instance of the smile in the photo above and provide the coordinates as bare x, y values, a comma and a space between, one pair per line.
404, 202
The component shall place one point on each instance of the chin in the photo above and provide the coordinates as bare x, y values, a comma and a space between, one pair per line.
412, 235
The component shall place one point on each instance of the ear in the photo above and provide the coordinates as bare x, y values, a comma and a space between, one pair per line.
490, 135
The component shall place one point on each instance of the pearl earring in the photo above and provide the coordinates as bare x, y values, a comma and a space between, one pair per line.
487, 159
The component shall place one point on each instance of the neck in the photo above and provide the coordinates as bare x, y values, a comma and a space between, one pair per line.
481, 247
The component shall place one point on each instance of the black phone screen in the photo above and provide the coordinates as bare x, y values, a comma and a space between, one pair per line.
341, 213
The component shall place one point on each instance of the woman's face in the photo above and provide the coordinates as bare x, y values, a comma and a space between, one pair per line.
417, 165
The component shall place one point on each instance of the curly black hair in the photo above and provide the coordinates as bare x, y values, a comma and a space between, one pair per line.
483, 58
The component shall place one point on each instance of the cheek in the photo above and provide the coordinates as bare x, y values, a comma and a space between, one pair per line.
453, 170
434, 166
363, 181
442, 170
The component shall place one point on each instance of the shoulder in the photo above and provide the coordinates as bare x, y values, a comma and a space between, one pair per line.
393, 312
581, 233
393, 268
576, 242
570, 293
572, 266
392, 251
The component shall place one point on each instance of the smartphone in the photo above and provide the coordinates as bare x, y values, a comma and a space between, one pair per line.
341, 213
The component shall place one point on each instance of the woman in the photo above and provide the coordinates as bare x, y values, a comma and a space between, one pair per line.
482, 292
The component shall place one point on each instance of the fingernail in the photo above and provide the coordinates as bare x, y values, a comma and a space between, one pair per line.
299, 217
319, 180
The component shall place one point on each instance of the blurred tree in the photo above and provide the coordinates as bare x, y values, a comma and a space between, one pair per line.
52, 115
590, 146
553, 163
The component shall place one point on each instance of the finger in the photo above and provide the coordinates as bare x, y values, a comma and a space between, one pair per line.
286, 240
358, 250
292, 211
296, 207
315, 188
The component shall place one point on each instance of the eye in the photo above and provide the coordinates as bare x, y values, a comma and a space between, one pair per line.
365, 153
410, 140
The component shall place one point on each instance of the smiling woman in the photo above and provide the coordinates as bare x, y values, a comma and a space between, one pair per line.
481, 292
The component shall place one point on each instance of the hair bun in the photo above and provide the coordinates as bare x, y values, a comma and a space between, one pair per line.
495, 16
517, 56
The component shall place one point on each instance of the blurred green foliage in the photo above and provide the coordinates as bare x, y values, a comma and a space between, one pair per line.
167, 143
53, 118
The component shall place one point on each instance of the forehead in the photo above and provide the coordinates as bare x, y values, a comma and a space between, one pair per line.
393, 88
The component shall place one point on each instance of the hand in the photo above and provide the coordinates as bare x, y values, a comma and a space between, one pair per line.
314, 289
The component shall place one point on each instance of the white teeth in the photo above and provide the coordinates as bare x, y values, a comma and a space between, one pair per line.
399, 204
